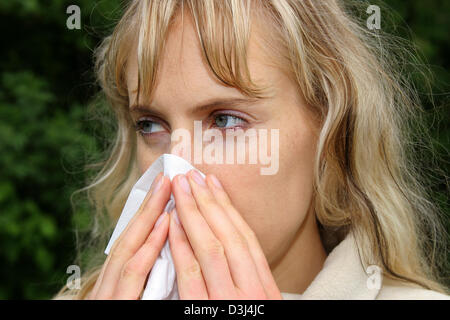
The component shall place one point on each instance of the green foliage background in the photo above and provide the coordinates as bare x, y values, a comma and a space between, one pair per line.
46, 84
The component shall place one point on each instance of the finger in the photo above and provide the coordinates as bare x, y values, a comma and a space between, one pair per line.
240, 261
207, 248
105, 264
259, 258
134, 237
135, 271
191, 285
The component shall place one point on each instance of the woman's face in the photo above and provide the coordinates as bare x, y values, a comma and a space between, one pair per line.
275, 206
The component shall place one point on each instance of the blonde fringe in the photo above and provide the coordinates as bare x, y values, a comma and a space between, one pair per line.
366, 179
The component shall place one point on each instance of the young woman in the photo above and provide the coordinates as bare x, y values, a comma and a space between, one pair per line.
344, 216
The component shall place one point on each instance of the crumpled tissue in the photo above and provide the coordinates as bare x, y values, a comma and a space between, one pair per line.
161, 283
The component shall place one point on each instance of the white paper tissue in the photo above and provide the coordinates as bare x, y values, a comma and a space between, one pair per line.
161, 283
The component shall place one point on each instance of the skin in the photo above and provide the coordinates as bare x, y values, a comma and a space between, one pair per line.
253, 237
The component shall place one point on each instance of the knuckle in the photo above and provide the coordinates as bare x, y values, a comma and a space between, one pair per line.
119, 252
132, 269
150, 243
151, 248
238, 241
215, 250
207, 201
193, 271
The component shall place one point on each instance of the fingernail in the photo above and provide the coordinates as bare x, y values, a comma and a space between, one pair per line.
198, 178
216, 181
160, 219
184, 184
159, 183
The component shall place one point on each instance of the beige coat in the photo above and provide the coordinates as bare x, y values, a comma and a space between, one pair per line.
343, 277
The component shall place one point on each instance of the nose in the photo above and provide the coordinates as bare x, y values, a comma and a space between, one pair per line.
181, 152
187, 143
182, 139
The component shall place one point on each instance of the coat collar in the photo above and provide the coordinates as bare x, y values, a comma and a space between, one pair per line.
342, 277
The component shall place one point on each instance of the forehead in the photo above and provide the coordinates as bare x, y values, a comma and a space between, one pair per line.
183, 73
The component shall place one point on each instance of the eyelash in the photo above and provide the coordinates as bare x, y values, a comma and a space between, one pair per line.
137, 124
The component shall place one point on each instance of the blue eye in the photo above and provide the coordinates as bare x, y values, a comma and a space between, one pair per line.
146, 127
227, 121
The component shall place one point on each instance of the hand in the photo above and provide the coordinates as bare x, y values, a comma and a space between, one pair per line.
134, 253
216, 254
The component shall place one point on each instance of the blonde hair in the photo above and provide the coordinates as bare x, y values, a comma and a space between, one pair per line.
366, 179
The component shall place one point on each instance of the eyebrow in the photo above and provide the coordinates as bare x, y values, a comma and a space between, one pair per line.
202, 107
